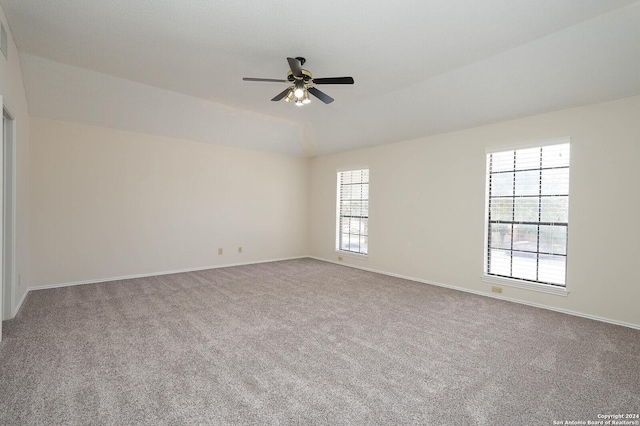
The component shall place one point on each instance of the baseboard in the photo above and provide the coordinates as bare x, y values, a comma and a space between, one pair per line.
480, 293
152, 274
19, 305
158, 274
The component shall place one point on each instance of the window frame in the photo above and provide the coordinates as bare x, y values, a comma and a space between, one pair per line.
513, 281
338, 217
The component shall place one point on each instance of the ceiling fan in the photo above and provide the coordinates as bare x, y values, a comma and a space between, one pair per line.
303, 84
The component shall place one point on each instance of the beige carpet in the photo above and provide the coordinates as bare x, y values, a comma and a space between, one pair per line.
305, 342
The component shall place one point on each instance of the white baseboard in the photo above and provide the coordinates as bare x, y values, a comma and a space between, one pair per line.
152, 274
19, 305
480, 293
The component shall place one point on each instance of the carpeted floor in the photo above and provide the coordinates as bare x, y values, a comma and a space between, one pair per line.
305, 342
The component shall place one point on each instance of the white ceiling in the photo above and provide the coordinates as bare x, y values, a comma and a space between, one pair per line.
175, 68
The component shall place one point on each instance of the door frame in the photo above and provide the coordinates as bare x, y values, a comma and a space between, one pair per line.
1, 245
8, 233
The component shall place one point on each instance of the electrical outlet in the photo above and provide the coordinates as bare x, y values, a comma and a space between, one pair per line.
340, 258
239, 249
219, 251
496, 289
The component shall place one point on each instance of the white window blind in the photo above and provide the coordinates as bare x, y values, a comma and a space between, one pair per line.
352, 228
528, 214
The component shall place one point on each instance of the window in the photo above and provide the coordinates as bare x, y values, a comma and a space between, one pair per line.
353, 211
527, 211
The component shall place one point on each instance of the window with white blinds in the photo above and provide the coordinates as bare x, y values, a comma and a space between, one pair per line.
528, 214
352, 228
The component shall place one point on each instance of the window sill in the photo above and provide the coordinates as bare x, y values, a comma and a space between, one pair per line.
352, 254
542, 288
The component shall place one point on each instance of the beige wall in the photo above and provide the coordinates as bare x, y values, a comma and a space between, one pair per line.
12, 92
109, 203
427, 206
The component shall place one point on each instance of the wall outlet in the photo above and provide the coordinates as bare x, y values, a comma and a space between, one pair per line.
239, 249
219, 251
340, 258
496, 289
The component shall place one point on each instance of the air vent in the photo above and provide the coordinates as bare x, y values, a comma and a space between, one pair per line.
3, 40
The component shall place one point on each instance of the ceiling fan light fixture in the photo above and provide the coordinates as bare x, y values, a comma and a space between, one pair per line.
290, 95
299, 91
299, 103
305, 98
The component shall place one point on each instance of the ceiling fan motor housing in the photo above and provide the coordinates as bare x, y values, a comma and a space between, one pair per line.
306, 76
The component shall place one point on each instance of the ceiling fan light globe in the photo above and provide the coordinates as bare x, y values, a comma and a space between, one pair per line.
299, 92
306, 101
290, 96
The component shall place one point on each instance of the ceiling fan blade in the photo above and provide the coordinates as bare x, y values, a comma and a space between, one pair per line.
273, 80
334, 80
296, 66
320, 95
281, 95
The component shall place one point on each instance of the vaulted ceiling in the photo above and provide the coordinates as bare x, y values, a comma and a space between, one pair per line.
174, 68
